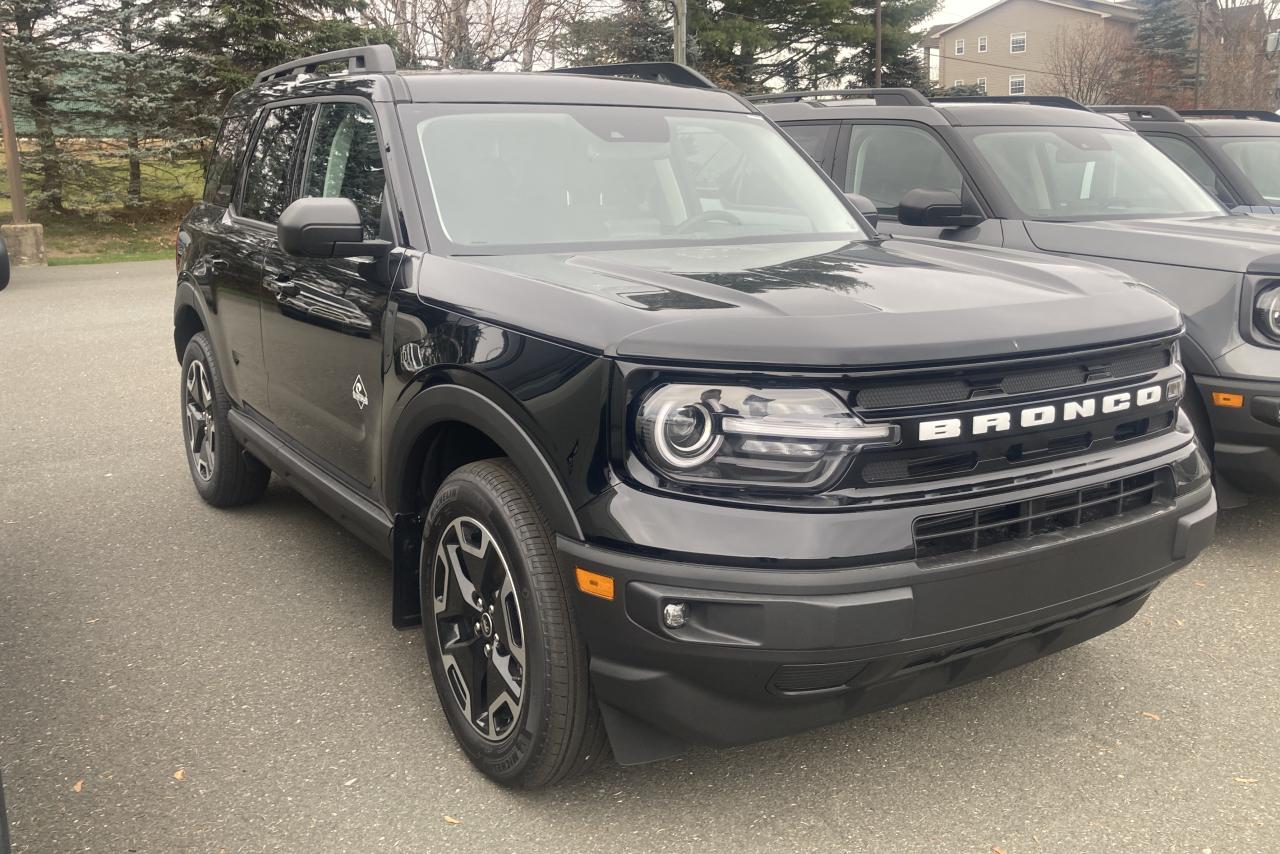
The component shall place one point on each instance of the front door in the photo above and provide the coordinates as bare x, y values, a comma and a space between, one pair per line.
322, 332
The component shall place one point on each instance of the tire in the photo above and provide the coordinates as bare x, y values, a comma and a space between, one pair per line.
1193, 405
511, 675
224, 475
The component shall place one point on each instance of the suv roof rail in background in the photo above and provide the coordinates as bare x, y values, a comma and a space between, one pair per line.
376, 58
1140, 112
1260, 115
657, 72
883, 97
1034, 100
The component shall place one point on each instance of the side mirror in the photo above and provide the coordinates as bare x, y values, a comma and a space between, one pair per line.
864, 206
936, 208
326, 228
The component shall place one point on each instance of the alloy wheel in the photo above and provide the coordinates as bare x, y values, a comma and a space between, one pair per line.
479, 627
201, 430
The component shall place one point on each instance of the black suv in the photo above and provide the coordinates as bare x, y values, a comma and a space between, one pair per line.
662, 441
1047, 174
1235, 153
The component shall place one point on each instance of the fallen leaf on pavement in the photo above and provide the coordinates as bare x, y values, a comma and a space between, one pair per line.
1152, 715
1200, 584
451, 820
1246, 779
80, 785
180, 775
997, 849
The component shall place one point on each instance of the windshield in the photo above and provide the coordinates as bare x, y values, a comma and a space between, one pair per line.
513, 178
1068, 173
1259, 159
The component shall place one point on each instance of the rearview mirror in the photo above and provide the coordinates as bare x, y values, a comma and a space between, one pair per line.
864, 206
936, 208
326, 228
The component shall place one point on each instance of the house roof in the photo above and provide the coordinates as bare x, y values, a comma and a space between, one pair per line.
1101, 8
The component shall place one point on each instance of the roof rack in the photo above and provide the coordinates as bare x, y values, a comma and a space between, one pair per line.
1260, 115
657, 72
376, 58
1140, 113
1034, 100
884, 97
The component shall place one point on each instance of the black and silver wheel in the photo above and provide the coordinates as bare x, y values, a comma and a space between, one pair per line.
224, 476
508, 665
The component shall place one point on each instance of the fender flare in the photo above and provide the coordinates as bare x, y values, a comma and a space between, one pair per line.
449, 402
188, 296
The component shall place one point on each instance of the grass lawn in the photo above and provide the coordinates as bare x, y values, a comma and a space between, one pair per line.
98, 230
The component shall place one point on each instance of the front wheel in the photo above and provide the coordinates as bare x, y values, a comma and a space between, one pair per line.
505, 655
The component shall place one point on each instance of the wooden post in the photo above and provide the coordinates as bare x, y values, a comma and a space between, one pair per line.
679, 28
879, 66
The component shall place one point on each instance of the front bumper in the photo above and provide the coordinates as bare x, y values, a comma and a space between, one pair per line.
771, 649
1246, 439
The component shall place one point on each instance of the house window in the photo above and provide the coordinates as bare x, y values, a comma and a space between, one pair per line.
1017, 43
1017, 84
959, 47
982, 85
982, 44
959, 83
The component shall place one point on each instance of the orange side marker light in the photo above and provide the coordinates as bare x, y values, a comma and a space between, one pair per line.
595, 584
1229, 400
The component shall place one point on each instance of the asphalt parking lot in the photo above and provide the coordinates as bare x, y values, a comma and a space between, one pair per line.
177, 678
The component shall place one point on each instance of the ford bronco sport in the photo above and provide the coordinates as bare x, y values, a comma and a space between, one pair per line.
664, 445
1046, 174
1234, 153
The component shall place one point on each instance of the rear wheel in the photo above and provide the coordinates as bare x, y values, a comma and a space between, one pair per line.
508, 665
223, 474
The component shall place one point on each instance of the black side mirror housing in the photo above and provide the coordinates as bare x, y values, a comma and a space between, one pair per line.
326, 228
864, 206
935, 208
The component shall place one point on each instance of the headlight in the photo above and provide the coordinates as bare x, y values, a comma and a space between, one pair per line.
1266, 312
796, 439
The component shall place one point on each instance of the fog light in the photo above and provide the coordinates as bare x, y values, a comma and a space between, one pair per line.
675, 614
1173, 391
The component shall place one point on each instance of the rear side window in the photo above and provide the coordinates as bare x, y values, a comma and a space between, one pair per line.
228, 151
268, 170
345, 162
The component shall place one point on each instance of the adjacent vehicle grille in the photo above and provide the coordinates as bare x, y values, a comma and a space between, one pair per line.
974, 530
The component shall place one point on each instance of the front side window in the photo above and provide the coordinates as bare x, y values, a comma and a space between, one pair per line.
269, 170
520, 177
812, 138
224, 162
345, 162
1018, 43
1258, 157
959, 47
887, 161
1075, 173
1185, 155
1017, 84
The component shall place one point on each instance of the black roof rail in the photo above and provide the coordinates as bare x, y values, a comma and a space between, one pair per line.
1140, 112
657, 72
884, 97
1034, 100
1260, 115
376, 58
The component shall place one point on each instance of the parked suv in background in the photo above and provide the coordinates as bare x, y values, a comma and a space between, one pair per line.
1047, 174
661, 440
1235, 153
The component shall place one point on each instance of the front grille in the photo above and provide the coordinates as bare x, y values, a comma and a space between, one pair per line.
975, 530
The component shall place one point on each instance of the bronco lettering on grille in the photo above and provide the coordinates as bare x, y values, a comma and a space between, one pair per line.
1041, 416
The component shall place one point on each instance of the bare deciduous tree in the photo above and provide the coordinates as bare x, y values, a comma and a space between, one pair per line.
1233, 68
1087, 62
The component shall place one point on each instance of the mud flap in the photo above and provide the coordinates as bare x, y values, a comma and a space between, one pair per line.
406, 546
635, 742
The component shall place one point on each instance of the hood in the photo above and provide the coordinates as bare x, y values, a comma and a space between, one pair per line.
1235, 244
859, 304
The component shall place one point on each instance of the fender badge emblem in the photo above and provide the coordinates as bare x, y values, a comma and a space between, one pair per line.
358, 394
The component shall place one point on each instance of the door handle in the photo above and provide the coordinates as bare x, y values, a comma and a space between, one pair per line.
281, 286
218, 266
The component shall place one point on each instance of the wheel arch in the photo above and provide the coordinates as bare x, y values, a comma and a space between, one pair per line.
188, 317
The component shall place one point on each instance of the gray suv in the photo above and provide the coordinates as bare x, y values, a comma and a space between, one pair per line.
1049, 175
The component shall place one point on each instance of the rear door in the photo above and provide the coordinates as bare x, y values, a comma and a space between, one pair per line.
322, 329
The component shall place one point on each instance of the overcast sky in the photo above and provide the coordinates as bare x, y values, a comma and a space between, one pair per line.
955, 10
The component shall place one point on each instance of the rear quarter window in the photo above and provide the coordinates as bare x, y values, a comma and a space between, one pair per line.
224, 161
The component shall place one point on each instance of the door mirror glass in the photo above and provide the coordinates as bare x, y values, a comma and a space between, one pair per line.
864, 206
936, 209
326, 228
